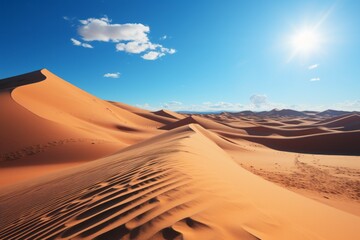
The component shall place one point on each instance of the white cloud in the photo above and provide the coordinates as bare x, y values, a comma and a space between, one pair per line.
206, 106
112, 75
167, 50
75, 42
139, 47
78, 43
152, 55
163, 37
130, 37
136, 47
314, 79
172, 51
311, 67
259, 100
353, 105
93, 29
86, 45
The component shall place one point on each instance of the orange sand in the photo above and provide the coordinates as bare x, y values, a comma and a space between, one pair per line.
73, 166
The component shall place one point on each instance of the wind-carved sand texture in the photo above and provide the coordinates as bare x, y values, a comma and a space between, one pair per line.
83, 168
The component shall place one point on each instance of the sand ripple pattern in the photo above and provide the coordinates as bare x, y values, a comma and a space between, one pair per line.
125, 206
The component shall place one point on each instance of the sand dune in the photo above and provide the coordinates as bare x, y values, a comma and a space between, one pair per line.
331, 137
46, 120
267, 131
79, 167
344, 123
177, 185
332, 113
169, 114
206, 123
158, 119
341, 143
72, 106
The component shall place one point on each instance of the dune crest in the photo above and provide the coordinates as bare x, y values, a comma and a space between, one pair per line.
48, 121
181, 185
79, 167
23, 79
169, 114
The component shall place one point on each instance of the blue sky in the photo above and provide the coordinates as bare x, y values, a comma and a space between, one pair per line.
192, 55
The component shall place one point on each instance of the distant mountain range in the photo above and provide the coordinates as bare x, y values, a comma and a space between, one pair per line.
278, 113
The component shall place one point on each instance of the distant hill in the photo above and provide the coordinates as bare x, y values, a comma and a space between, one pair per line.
278, 113
335, 113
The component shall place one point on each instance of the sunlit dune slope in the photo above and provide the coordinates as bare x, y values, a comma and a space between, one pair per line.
204, 122
163, 119
59, 101
176, 185
46, 120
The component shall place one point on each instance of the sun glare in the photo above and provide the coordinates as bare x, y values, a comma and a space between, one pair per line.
305, 41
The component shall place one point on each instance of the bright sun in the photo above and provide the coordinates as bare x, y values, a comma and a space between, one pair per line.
305, 41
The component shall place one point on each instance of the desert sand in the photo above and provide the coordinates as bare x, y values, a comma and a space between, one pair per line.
73, 166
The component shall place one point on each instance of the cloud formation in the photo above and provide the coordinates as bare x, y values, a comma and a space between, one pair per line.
129, 37
350, 105
311, 67
315, 79
259, 100
112, 75
78, 43
93, 29
152, 55
135, 47
205, 107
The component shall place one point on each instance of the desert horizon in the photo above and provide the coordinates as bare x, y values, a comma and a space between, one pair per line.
163, 175
169, 120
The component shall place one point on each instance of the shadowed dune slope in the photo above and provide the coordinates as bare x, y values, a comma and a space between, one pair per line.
170, 114
266, 131
204, 122
340, 143
20, 80
338, 135
161, 120
177, 185
346, 123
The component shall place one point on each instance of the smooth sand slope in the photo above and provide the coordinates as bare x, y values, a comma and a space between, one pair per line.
299, 154
73, 166
288, 154
47, 123
177, 185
